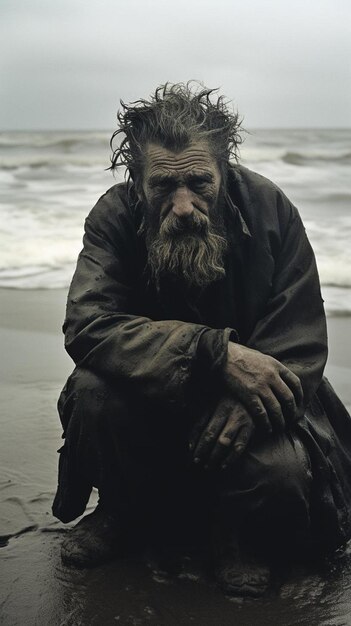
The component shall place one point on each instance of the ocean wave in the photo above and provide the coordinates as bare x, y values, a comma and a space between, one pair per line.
342, 284
50, 180
334, 271
342, 197
337, 300
65, 144
298, 158
332, 312
57, 140
40, 162
91, 159
99, 155
37, 277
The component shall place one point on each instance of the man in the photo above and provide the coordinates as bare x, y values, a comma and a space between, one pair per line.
197, 405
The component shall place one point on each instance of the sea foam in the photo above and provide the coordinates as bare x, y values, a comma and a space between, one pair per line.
50, 181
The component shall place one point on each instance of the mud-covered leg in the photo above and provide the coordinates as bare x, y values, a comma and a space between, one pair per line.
134, 452
264, 509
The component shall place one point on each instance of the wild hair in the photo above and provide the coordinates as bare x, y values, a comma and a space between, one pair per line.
175, 115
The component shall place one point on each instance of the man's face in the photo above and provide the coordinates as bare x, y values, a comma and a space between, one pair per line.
180, 182
181, 193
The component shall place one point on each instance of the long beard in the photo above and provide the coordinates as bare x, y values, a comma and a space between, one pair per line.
190, 249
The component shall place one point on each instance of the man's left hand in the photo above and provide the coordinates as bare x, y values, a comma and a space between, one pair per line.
225, 436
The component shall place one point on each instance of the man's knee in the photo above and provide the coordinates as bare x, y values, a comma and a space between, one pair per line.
268, 494
279, 468
90, 396
274, 473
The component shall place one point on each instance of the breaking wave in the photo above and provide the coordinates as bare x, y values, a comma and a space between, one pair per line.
297, 158
51, 180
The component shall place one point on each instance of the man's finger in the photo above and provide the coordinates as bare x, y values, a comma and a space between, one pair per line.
258, 413
236, 432
294, 384
209, 436
198, 428
242, 439
286, 399
274, 411
225, 441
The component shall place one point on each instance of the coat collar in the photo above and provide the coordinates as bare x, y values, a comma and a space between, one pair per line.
234, 209
233, 189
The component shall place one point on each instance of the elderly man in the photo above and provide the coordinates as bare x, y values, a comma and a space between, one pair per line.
197, 406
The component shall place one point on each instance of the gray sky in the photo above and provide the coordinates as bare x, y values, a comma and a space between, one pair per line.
65, 64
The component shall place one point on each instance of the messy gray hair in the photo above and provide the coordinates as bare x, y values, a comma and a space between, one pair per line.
175, 115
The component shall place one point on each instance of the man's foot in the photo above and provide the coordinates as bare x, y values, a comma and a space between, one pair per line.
239, 573
94, 540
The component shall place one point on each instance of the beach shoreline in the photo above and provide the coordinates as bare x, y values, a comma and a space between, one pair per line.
43, 311
33, 583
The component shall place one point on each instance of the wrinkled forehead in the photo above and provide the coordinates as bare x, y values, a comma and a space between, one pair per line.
196, 158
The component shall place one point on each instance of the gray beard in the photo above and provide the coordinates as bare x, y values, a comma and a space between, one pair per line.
190, 249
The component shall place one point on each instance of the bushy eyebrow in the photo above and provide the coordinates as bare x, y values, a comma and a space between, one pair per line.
204, 177
161, 179
168, 179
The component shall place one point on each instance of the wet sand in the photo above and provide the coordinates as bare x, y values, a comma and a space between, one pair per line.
35, 588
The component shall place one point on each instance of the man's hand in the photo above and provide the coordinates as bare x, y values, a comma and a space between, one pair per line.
270, 391
220, 440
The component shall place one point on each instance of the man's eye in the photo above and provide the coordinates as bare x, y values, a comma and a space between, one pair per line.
200, 186
162, 185
162, 188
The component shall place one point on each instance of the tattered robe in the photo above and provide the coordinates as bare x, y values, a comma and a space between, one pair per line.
169, 351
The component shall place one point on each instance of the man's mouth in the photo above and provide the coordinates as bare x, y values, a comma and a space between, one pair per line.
194, 225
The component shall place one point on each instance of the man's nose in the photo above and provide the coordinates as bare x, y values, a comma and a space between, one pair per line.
182, 202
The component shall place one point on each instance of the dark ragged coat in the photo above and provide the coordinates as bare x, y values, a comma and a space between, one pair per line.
269, 300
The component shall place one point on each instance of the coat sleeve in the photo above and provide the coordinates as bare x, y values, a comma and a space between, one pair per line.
293, 327
103, 333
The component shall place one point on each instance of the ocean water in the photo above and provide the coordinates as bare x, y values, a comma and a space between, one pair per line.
50, 180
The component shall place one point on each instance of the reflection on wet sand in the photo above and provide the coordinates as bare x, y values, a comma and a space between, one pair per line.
36, 589
40, 590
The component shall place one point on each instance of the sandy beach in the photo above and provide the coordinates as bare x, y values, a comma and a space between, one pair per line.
35, 588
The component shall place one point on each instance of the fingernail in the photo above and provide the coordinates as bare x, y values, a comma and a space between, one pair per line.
191, 445
196, 460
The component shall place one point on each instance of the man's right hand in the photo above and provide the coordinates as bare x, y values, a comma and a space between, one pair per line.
270, 391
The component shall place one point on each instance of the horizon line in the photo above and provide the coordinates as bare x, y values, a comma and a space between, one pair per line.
106, 130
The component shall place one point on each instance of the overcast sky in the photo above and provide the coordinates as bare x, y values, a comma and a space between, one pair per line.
66, 63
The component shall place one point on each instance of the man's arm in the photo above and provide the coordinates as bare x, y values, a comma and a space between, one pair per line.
157, 358
287, 350
293, 327
275, 375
